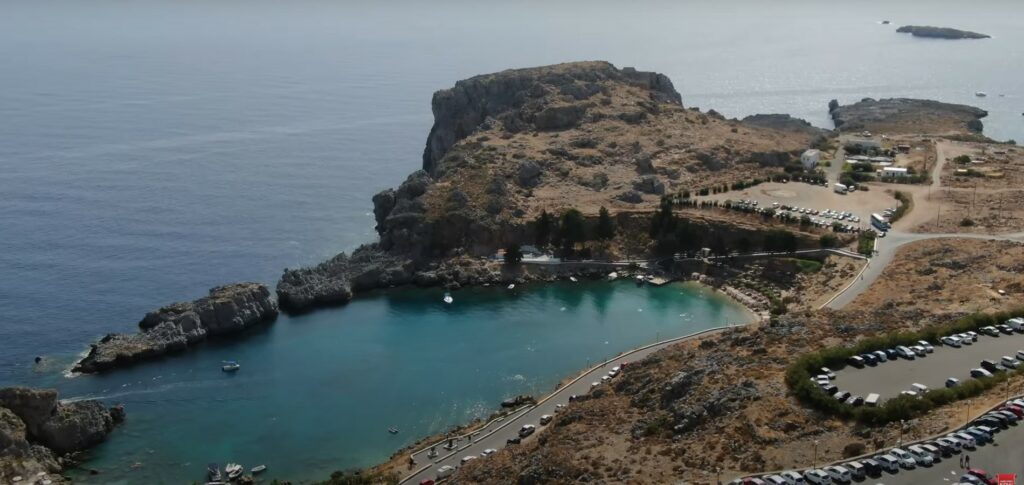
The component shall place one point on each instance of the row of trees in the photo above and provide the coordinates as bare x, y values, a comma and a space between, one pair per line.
673, 234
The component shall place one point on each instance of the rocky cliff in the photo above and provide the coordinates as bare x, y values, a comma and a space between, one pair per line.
227, 309
36, 431
940, 32
909, 116
508, 145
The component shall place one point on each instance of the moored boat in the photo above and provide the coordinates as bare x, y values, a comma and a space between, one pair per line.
258, 469
213, 472
980, 94
234, 470
230, 366
448, 298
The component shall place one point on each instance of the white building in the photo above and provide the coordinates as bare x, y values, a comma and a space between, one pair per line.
810, 159
894, 172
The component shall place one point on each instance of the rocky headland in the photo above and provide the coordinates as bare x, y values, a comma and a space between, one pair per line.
39, 434
226, 310
506, 146
940, 32
907, 116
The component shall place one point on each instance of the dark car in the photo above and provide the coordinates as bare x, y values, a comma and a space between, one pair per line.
856, 361
892, 354
988, 421
1003, 421
855, 401
831, 389
946, 450
841, 396
990, 366
513, 441
872, 467
1008, 330
869, 359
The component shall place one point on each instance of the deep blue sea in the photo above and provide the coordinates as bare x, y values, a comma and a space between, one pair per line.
150, 150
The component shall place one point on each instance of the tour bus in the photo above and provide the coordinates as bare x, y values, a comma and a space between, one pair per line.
879, 222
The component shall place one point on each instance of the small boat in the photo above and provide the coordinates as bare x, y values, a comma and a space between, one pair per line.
393, 430
511, 286
234, 470
448, 298
885, 22
573, 279
213, 472
980, 94
258, 469
230, 366
613, 276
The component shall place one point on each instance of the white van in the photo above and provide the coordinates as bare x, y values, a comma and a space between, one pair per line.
1016, 324
445, 471
889, 463
920, 388
872, 400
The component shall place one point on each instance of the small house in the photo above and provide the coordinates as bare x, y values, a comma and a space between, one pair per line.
894, 172
810, 159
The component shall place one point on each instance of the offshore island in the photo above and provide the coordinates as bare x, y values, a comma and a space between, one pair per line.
831, 236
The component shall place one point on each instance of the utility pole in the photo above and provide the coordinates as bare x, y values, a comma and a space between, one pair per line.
901, 432
814, 461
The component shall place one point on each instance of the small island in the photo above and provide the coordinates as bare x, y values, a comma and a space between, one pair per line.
940, 32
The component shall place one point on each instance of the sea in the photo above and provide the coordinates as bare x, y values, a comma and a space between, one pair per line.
150, 150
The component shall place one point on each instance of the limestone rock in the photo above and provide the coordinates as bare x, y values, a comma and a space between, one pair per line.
649, 184
333, 281
630, 196
528, 174
226, 310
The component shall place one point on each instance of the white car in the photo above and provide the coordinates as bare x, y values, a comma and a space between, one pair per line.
966, 440
906, 459
831, 375
794, 478
966, 339
545, 419
595, 384
838, 473
527, 430
817, 477
921, 456
919, 350
951, 341
559, 408
905, 352
445, 471
775, 480
488, 452
955, 444
927, 346
1010, 362
468, 458
889, 463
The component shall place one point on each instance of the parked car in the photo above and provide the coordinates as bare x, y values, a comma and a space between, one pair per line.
1016, 323
545, 419
951, 341
828, 372
921, 457
488, 452
817, 477
905, 352
794, 478
919, 350
920, 388
527, 430
906, 460
889, 463
869, 359
513, 441
857, 470
775, 480
973, 335
948, 443
831, 389
984, 476
1020, 355
979, 373
841, 396
952, 382
990, 331
990, 365
856, 361
927, 346
1019, 411
872, 467
1005, 329
980, 437
967, 339
892, 354
966, 440
838, 474
1009, 362
880, 356
467, 459
855, 401
971, 480
937, 450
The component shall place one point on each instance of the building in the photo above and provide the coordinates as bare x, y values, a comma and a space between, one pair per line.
894, 172
810, 159
865, 144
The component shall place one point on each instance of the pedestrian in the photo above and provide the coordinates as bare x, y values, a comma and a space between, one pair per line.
967, 461
962, 461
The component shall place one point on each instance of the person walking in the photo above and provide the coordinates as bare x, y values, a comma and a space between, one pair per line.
962, 462
967, 461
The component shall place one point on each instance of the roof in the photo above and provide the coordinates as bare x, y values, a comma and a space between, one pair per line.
894, 169
812, 151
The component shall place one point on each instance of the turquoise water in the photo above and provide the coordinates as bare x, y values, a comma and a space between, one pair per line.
318, 392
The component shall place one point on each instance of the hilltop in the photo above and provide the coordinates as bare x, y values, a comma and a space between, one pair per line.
940, 32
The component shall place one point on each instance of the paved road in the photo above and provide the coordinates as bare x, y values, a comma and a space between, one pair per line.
494, 436
890, 378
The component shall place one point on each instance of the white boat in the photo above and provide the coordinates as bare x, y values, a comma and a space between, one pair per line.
448, 298
980, 94
613, 276
258, 469
233, 470
230, 366
511, 286
573, 279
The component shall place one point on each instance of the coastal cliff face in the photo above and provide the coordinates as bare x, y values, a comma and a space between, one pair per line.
907, 116
508, 145
227, 309
36, 431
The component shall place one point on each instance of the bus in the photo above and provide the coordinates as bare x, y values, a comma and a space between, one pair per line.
879, 222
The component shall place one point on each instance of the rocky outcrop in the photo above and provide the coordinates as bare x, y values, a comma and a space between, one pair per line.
904, 115
228, 309
940, 32
334, 281
784, 122
36, 429
528, 98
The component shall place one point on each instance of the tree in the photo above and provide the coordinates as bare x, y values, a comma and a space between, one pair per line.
544, 227
605, 225
513, 255
828, 240
572, 229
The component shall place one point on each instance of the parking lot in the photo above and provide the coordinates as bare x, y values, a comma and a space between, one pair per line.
890, 378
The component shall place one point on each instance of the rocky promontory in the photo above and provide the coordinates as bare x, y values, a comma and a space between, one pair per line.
940, 32
227, 309
506, 146
909, 116
37, 431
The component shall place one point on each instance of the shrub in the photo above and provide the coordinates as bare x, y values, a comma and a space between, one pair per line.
854, 449
828, 240
966, 222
